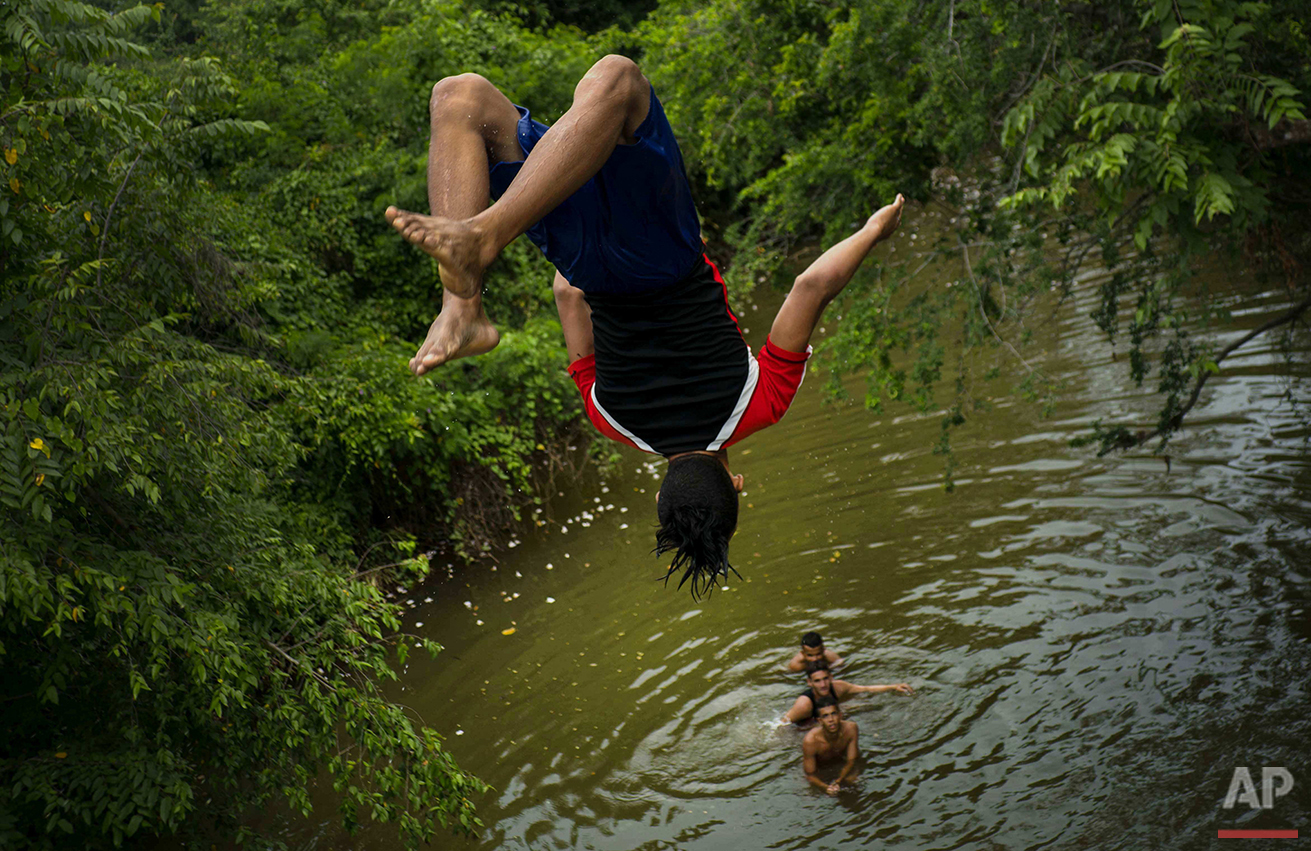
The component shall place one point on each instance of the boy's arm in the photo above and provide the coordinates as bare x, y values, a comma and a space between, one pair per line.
797, 663
811, 766
799, 712
851, 688
832, 658
575, 318
821, 282
853, 753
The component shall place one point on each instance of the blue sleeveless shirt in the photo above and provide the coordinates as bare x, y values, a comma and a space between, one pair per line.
632, 228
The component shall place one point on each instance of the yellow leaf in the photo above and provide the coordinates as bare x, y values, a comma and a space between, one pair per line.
86, 214
509, 631
11, 156
540, 447
15, 185
40, 446
40, 477
61, 755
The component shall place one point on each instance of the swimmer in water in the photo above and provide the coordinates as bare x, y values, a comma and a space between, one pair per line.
654, 349
813, 650
822, 685
831, 738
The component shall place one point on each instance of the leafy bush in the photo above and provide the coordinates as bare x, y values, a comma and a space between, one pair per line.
206, 419
1145, 135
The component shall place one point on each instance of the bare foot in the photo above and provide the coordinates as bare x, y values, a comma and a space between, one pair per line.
458, 248
888, 218
461, 330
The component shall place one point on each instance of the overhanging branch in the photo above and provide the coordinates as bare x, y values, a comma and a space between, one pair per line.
1130, 442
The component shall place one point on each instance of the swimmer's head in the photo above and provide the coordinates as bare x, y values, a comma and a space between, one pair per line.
812, 647
819, 677
830, 714
697, 507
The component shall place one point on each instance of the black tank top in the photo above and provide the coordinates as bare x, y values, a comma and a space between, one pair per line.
672, 369
810, 693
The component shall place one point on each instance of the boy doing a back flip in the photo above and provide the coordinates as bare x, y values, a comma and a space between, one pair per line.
653, 346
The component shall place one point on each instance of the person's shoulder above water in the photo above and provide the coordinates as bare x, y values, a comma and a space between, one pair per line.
813, 650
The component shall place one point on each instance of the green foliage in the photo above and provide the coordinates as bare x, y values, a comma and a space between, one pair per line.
471, 433
1142, 135
801, 118
1171, 149
205, 419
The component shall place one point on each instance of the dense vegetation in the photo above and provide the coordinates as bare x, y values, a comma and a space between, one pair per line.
212, 449
1151, 137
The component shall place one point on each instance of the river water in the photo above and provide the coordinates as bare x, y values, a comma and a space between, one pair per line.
1095, 644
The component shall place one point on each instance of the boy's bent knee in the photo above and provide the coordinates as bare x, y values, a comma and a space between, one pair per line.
616, 74
462, 91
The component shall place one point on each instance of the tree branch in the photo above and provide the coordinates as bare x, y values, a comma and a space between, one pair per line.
965, 252
104, 233
299, 666
1177, 420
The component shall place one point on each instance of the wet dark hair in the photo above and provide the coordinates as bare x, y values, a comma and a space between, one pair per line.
812, 639
826, 700
817, 665
698, 515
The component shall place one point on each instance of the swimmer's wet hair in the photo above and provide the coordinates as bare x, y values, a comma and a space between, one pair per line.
812, 639
826, 700
817, 665
698, 515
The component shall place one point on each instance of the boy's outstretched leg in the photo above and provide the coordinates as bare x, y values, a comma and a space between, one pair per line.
610, 102
824, 279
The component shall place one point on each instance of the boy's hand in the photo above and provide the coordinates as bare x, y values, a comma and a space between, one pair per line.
886, 220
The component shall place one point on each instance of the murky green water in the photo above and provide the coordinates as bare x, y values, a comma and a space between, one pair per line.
1095, 644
